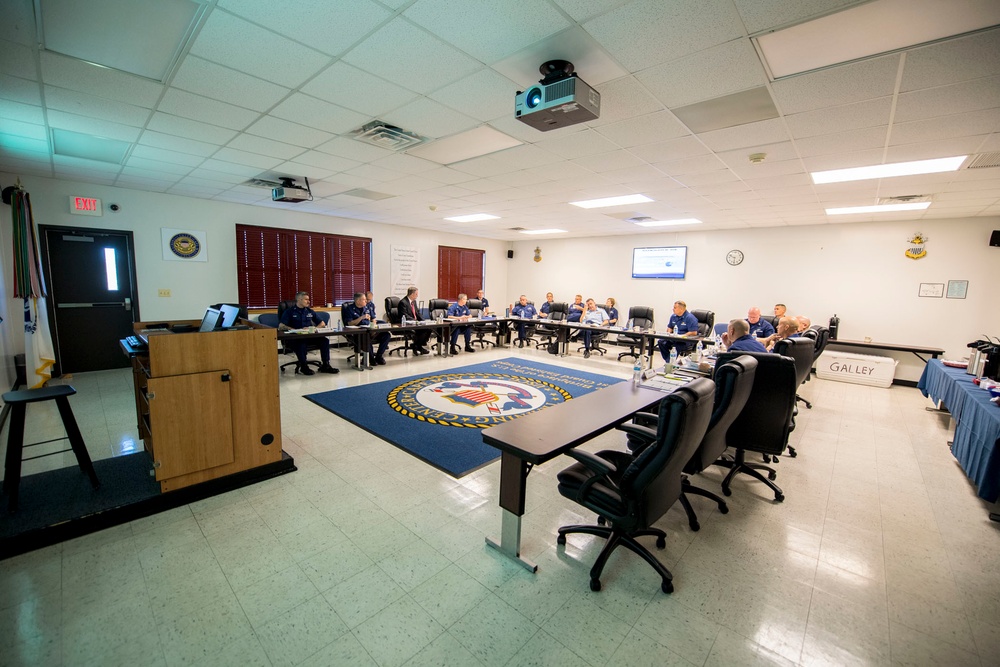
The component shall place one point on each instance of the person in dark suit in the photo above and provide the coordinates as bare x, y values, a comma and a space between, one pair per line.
409, 310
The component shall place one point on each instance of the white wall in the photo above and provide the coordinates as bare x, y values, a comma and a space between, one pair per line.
194, 285
857, 271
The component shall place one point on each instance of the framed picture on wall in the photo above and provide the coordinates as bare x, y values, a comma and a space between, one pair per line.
958, 289
932, 290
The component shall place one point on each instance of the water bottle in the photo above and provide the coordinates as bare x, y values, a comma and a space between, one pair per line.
673, 357
636, 372
701, 351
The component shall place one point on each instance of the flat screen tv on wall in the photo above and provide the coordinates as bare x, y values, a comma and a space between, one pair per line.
665, 262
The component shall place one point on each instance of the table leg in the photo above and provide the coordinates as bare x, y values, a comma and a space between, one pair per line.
513, 484
563, 341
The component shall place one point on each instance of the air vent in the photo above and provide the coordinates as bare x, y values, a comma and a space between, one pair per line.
261, 183
985, 161
389, 137
639, 218
515, 229
368, 194
904, 199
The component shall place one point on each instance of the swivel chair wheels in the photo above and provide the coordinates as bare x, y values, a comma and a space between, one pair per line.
727, 491
661, 542
723, 508
779, 497
595, 585
561, 539
667, 587
772, 475
695, 526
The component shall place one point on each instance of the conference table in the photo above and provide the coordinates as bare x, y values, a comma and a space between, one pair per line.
364, 336
976, 444
543, 435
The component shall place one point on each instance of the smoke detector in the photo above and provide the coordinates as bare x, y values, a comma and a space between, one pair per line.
757, 158
391, 138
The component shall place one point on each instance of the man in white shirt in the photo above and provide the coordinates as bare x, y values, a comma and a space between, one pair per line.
594, 316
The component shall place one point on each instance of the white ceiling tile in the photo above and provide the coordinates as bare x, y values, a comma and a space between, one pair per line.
488, 31
746, 136
778, 182
947, 100
430, 119
706, 178
26, 113
746, 169
67, 162
515, 179
843, 142
640, 130
672, 149
262, 146
774, 153
24, 148
624, 98
18, 23
227, 85
843, 84
843, 160
952, 61
291, 133
332, 163
640, 176
370, 173
946, 127
236, 197
581, 10
649, 32
245, 158
330, 27
19, 90
484, 185
525, 157
310, 111
94, 126
243, 46
167, 156
484, 166
196, 107
353, 89
855, 116
179, 144
602, 162
141, 183
693, 165
760, 16
408, 164
194, 191
82, 104
190, 129
720, 70
17, 60
230, 168
353, 149
406, 55
448, 176
218, 179
299, 169
408, 184
484, 95
65, 72
167, 178
569, 146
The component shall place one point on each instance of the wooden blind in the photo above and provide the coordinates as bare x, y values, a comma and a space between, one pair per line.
273, 264
460, 271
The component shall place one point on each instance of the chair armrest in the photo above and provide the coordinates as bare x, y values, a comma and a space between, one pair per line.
592, 462
640, 432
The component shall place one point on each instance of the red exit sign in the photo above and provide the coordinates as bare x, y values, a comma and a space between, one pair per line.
85, 206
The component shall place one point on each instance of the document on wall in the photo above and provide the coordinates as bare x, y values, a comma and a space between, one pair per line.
404, 262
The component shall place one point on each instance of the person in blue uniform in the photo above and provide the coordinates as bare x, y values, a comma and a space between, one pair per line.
609, 308
758, 328
576, 309
526, 311
544, 310
738, 338
787, 328
682, 323
301, 316
459, 312
370, 308
356, 314
486, 303
594, 316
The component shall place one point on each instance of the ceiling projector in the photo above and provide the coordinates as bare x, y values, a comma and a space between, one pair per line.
560, 99
290, 192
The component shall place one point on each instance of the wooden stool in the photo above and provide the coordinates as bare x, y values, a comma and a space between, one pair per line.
18, 401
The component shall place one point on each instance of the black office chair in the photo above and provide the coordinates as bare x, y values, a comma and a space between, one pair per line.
557, 313
596, 336
438, 308
821, 340
733, 384
392, 316
638, 316
802, 351
772, 320
766, 420
322, 315
631, 494
481, 329
706, 322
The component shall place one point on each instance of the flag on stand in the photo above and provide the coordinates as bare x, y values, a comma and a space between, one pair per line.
39, 355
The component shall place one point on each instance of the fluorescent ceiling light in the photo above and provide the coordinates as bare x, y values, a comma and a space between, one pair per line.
465, 145
870, 29
543, 231
88, 147
665, 223
934, 166
475, 217
611, 201
880, 208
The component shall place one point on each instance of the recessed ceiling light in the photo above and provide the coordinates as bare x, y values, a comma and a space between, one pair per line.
665, 223
881, 208
88, 147
935, 166
611, 201
475, 217
544, 231
868, 30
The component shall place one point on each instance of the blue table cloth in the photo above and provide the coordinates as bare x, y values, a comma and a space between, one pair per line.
977, 424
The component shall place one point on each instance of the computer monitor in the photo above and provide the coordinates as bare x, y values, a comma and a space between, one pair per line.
229, 315
211, 320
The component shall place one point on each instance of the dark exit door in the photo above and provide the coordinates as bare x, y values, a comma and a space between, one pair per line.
91, 285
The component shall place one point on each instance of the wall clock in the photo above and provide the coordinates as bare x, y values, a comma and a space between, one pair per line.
735, 257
